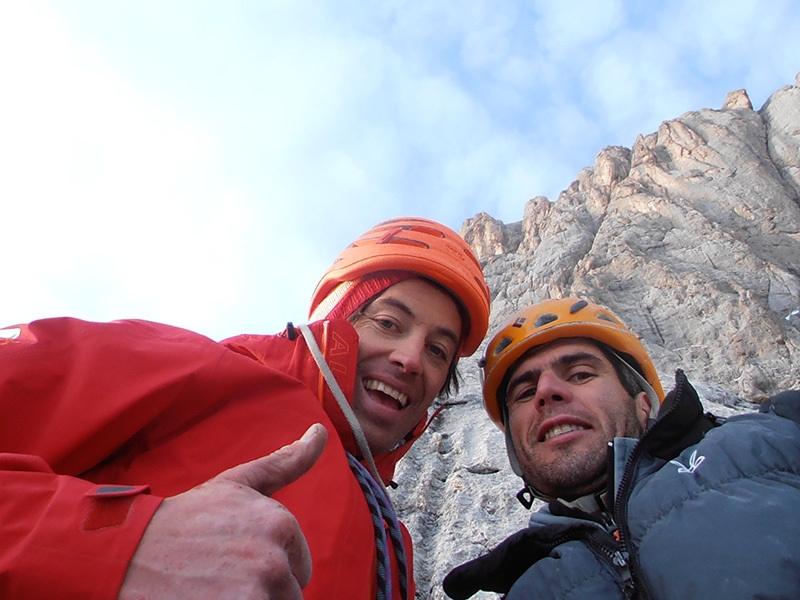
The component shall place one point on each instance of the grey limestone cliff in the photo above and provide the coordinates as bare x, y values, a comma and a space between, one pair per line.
692, 236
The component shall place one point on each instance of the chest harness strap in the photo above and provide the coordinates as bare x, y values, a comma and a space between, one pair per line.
380, 507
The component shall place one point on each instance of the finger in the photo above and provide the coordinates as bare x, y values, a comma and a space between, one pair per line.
284, 581
299, 556
272, 472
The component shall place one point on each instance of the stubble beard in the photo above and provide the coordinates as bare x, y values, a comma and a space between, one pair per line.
575, 472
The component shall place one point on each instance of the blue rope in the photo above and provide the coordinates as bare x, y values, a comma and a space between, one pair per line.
381, 509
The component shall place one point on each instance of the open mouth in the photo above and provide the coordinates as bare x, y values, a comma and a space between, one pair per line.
399, 397
561, 429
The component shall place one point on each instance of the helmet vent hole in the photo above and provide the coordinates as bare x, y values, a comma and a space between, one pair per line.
544, 319
425, 230
502, 345
407, 242
577, 306
605, 317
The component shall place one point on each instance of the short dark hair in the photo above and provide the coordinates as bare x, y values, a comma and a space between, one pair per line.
626, 378
453, 381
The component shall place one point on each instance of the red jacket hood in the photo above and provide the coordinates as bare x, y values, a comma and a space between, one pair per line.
338, 341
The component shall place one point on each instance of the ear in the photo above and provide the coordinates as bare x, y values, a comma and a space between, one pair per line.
643, 406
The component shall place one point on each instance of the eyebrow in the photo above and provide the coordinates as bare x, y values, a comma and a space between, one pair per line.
562, 361
403, 307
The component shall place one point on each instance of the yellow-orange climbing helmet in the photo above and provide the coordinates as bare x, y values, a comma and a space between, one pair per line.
552, 320
420, 246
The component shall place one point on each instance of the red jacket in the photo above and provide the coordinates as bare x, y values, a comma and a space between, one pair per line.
96, 414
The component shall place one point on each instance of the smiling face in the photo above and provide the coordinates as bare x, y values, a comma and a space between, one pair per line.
565, 404
408, 337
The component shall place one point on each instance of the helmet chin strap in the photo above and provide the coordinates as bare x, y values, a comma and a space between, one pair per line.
590, 503
528, 494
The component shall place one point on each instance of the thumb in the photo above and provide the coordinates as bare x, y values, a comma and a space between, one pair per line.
274, 471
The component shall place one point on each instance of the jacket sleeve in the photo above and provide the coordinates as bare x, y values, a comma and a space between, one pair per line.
786, 405
63, 537
71, 394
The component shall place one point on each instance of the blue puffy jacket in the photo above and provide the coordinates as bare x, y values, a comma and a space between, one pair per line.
703, 509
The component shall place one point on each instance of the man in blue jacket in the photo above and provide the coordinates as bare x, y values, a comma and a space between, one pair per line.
648, 497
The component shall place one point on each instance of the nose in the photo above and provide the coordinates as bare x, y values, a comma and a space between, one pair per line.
550, 388
407, 353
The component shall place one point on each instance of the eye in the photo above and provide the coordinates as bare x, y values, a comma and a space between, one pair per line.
580, 376
384, 323
440, 352
387, 324
522, 394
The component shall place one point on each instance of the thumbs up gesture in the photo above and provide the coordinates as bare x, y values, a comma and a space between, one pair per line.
226, 538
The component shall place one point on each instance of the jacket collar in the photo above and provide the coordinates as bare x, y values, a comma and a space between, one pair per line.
680, 423
338, 341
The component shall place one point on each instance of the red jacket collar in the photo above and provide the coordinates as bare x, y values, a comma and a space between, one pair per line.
338, 340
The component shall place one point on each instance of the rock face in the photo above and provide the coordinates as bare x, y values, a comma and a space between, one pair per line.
692, 237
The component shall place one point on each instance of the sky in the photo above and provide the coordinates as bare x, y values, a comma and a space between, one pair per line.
202, 163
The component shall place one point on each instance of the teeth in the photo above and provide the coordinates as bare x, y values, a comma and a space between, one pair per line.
374, 384
559, 429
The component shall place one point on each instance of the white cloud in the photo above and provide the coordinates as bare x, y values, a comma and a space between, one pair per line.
106, 201
567, 28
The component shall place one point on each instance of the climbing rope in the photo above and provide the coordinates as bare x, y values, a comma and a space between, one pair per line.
380, 507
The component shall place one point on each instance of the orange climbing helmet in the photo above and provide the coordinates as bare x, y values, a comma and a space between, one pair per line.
555, 319
420, 246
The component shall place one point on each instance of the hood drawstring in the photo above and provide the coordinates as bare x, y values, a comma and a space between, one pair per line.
352, 420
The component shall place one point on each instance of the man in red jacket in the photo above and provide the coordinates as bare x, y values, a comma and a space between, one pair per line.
139, 460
